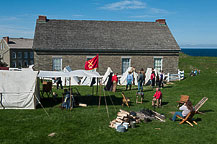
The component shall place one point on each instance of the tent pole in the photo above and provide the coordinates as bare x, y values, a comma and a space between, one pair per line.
106, 104
100, 87
92, 90
70, 92
97, 81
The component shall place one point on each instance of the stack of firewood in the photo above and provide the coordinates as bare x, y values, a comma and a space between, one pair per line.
123, 116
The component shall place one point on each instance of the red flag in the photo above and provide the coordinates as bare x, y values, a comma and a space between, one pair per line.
92, 64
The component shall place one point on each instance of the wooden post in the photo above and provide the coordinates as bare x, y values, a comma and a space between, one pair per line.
168, 80
97, 81
70, 92
99, 95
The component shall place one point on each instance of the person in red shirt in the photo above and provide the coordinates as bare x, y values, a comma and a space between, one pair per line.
157, 98
153, 79
114, 81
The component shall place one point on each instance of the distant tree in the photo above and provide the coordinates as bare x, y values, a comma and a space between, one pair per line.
3, 64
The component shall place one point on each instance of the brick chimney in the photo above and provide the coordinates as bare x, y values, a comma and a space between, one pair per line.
6, 39
42, 18
161, 21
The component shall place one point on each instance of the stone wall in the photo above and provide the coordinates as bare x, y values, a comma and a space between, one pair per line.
5, 53
44, 62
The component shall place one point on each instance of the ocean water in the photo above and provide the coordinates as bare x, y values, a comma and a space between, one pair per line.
209, 52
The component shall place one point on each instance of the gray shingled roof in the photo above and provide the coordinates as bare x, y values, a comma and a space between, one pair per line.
20, 43
72, 35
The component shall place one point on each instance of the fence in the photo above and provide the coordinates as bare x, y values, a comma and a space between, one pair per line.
175, 77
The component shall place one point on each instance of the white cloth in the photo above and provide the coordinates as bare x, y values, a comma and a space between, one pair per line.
18, 89
185, 110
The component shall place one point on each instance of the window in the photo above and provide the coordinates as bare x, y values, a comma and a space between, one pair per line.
14, 64
2, 45
125, 64
31, 62
89, 57
20, 64
19, 55
25, 63
14, 55
158, 64
31, 55
25, 55
57, 64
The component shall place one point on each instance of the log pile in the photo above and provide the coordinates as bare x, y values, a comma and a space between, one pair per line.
145, 115
123, 116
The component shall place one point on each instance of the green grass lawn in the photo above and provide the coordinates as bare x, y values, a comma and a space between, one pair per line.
90, 124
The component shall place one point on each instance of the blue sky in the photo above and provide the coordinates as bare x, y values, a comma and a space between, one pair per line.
192, 22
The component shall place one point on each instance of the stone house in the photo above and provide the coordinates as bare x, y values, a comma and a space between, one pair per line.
120, 44
17, 52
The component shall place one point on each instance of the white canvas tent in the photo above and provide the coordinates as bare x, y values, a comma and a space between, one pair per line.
148, 76
18, 89
123, 79
65, 80
78, 73
106, 75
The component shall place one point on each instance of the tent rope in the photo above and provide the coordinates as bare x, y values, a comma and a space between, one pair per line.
112, 101
106, 104
42, 106
1, 102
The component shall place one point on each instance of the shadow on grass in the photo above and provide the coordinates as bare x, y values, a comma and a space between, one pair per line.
164, 103
205, 111
95, 100
88, 99
169, 86
197, 119
49, 102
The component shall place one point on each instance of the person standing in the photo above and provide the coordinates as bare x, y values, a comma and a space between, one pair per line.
141, 79
161, 79
114, 82
153, 79
129, 80
59, 82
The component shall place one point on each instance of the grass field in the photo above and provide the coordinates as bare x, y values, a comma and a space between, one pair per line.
90, 124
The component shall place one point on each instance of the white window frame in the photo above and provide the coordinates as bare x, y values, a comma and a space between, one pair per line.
125, 57
61, 64
161, 65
